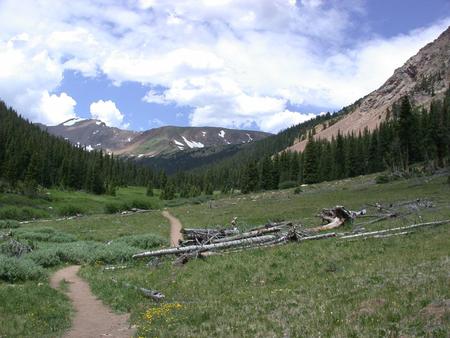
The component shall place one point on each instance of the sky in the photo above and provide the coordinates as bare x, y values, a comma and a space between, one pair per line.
249, 64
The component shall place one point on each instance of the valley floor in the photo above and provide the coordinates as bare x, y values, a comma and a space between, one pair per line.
397, 286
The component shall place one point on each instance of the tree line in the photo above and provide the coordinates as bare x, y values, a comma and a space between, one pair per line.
409, 135
30, 157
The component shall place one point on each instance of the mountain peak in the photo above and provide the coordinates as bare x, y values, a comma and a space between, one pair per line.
424, 77
95, 134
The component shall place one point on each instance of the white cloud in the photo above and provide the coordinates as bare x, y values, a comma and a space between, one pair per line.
283, 120
106, 111
236, 63
153, 97
57, 108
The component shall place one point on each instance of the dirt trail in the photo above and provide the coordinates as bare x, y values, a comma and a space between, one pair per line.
92, 318
175, 228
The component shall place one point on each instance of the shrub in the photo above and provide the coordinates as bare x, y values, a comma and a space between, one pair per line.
114, 208
287, 185
13, 248
142, 241
111, 208
83, 252
298, 190
43, 235
9, 224
45, 258
381, 179
70, 210
19, 269
21, 214
139, 204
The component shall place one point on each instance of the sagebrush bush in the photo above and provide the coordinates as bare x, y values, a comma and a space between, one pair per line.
21, 214
43, 235
9, 224
139, 204
114, 208
19, 269
45, 258
83, 252
148, 241
70, 210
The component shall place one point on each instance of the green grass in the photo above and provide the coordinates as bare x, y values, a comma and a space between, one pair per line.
33, 309
374, 287
29, 308
55, 203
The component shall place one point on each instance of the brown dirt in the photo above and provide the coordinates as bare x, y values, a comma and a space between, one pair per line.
175, 228
92, 318
368, 308
436, 314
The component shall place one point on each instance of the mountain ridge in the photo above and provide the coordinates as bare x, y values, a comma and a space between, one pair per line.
424, 77
95, 134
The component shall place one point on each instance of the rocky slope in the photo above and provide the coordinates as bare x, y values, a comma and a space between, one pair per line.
423, 77
94, 134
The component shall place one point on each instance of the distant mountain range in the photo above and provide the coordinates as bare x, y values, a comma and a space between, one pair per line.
422, 78
94, 134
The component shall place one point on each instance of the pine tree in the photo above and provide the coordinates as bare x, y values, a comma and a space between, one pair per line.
249, 179
149, 191
311, 162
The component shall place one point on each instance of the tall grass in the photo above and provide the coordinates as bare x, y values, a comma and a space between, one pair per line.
19, 269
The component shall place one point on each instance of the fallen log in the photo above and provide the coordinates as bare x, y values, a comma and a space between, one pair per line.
254, 233
155, 295
336, 217
413, 226
200, 248
117, 267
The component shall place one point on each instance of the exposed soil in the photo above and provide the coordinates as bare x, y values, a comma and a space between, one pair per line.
368, 308
436, 314
92, 317
175, 228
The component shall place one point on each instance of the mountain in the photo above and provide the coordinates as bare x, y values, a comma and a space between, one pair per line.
423, 77
94, 134
31, 158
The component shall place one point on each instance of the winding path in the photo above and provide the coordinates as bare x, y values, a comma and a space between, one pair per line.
175, 228
92, 317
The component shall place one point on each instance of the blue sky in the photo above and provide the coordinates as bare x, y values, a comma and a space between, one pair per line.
258, 64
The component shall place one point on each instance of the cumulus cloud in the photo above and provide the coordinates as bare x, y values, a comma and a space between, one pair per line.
57, 108
106, 111
235, 63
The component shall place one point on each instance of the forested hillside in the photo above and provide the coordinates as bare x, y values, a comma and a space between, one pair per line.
30, 157
410, 135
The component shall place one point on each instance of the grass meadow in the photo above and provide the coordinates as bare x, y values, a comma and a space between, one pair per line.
397, 286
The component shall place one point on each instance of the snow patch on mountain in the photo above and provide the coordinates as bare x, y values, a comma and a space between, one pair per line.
178, 143
193, 144
222, 133
71, 122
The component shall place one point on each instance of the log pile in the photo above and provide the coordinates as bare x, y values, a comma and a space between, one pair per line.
201, 242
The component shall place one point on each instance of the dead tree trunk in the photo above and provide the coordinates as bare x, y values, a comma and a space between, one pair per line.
201, 248
413, 226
